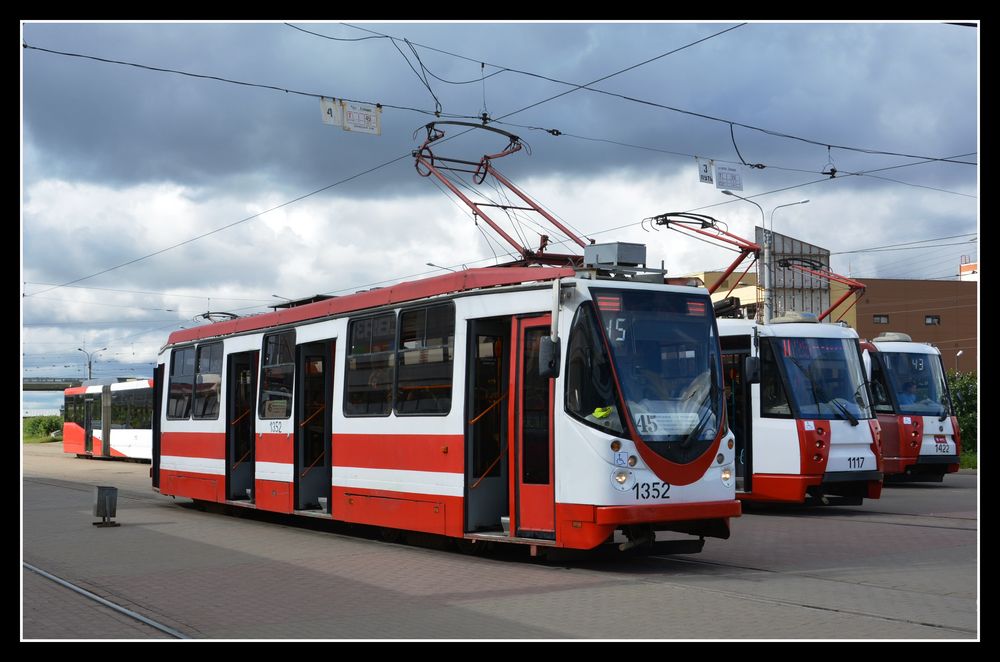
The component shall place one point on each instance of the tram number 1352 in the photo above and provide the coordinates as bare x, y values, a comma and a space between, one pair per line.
654, 490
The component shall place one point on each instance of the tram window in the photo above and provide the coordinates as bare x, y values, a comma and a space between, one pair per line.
208, 381
773, 400
370, 366
181, 383
425, 360
120, 401
880, 390
591, 395
141, 409
277, 375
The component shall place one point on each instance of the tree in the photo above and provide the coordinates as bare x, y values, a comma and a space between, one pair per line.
964, 387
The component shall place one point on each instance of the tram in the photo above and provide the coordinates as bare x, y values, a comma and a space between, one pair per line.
557, 400
110, 420
801, 411
920, 433
796, 392
442, 406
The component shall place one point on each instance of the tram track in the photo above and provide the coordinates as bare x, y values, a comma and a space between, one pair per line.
107, 603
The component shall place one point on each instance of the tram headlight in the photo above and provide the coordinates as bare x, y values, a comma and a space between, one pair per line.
621, 479
727, 476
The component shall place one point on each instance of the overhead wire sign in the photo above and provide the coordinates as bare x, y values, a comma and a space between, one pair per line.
352, 116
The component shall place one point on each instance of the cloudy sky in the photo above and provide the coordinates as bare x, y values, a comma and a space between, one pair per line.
130, 165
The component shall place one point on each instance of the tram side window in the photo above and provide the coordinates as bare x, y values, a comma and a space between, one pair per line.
277, 375
425, 360
773, 400
69, 409
370, 366
880, 389
181, 383
591, 395
208, 381
120, 401
141, 409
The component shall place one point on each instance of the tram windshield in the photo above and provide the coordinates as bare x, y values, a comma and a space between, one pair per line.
918, 383
665, 350
821, 378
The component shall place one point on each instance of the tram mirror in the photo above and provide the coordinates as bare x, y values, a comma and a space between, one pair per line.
548, 357
752, 370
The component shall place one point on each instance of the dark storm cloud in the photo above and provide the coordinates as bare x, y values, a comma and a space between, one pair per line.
868, 85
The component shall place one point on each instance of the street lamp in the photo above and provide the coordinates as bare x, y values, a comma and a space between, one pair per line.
956, 358
89, 360
767, 259
438, 266
769, 249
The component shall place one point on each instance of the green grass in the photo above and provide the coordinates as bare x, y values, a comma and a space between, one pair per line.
968, 460
41, 440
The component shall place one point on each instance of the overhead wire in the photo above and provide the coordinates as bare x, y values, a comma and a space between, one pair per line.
586, 86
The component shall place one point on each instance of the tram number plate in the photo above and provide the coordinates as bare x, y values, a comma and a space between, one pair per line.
941, 444
654, 490
855, 462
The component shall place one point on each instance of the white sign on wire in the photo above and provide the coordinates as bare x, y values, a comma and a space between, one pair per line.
333, 112
352, 116
362, 117
728, 178
705, 170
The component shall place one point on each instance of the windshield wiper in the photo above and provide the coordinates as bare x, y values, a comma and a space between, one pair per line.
846, 411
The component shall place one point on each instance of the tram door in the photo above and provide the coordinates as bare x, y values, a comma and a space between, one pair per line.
91, 406
739, 412
313, 479
487, 381
241, 400
534, 484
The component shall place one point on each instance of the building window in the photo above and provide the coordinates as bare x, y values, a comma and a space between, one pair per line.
880, 319
932, 320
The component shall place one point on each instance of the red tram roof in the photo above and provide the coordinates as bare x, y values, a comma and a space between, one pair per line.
459, 281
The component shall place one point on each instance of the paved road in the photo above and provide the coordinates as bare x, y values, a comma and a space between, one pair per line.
904, 567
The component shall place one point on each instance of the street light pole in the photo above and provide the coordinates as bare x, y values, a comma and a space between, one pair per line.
90, 371
770, 235
956, 358
767, 257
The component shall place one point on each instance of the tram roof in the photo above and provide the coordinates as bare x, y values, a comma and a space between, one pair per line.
460, 281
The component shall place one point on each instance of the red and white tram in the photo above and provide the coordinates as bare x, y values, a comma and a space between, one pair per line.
444, 405
801, 411
796, 392
920, 433
112, 420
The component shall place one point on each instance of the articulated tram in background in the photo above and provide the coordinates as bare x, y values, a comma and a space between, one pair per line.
801, 411
920, 433
548, 406
112, 420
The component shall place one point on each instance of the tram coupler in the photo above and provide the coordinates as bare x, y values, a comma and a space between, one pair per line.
636, 536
